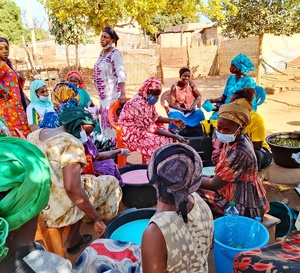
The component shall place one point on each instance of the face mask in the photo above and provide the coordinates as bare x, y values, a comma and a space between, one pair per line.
83, 136
107, 46
225, 138
42, 98
151, 100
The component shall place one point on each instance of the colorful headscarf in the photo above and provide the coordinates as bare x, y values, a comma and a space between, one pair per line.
34, 86
236, 113
25, 180
243, 63
73, 117
111, 32
65, 94
151, 83
78, 75
176, 171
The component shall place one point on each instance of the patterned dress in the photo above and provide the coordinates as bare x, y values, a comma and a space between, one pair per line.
12, 109
137, 121
104, 192
188, 245
237, 166
109, 70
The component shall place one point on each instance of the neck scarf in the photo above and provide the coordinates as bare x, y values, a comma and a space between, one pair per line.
73, 117
25, 178
78, 75
243, 63
236, 113
151, 83
175, 170
34, 86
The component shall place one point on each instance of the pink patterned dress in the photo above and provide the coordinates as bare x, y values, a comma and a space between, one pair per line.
137, 121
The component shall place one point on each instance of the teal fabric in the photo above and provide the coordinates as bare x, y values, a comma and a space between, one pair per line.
243, 63
85, 98
34, 86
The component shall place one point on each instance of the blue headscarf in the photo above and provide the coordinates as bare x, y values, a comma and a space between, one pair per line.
243, 63
34, 86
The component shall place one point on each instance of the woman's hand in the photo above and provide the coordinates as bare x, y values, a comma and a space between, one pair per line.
99, 227
181, 139
122, 99
178, 123
124, 152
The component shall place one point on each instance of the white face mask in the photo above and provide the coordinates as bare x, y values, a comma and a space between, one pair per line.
107, 46
83, 136
225, 138
43, 98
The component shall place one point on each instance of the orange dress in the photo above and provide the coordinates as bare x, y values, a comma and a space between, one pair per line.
11, 109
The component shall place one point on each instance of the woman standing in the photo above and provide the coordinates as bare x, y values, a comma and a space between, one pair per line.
12, 99
40, 104
109, 78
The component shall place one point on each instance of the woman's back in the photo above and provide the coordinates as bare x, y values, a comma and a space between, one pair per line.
188, 244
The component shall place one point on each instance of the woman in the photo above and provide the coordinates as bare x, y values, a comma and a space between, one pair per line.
138, 120
73, 195
179, 235
75, 77
236, 176
184, 98
240, 65
109, 79
39, 105
27, 174
256, 129
12, 99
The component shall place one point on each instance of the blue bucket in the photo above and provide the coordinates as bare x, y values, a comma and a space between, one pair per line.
224, 254
208, 106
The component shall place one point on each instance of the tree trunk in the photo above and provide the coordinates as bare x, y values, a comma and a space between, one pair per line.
68, 57
258, 75
76, 57
33, 70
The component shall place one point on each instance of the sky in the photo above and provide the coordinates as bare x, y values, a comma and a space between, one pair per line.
37, 11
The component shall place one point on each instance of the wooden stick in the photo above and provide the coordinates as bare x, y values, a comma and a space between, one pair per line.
274, 68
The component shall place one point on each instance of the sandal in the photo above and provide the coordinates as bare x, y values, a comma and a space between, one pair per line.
85, 240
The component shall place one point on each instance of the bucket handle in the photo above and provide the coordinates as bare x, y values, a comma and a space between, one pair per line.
224, 251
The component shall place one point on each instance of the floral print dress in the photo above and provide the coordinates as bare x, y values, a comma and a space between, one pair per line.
11, 110
109, 70
137, 121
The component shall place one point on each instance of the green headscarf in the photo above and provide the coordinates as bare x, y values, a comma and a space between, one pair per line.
25, 181
73, 117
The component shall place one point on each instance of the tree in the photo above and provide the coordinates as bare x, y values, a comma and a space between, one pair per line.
68, 33
244, 18
99, 13
11, 26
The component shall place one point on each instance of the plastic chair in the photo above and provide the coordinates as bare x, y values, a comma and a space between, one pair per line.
52, 238
260, 97
113, 116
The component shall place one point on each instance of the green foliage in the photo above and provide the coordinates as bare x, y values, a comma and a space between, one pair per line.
100, 13
11, 26
242, 18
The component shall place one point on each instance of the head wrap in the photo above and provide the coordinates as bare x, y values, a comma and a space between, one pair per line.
182, 70
65, 94
112, 34
243, 63
78, 75
73, 117
25, 181
151, 83
34, 86
175, 170
236, 113
244, 102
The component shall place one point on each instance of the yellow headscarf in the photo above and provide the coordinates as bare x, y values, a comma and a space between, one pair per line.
236, 113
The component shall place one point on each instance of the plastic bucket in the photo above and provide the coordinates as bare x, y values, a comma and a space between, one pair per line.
208, 106
223, 254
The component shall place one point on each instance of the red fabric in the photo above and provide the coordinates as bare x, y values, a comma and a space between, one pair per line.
78, 75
